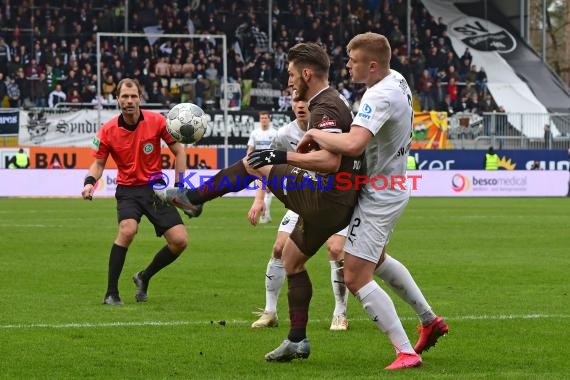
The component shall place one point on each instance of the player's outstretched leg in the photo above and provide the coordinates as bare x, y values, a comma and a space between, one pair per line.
232, 179
288, 351
430, 333
397, 276
180, 198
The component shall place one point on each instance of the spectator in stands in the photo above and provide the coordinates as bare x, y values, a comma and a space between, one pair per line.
75, 97
473, 104
425, 88
462, 105
13, 92
40, 91
466, 58
344, 91
464, 67
471, 75
56, 96
3, 90
468, 91
547, 137
452, 91
162, 68
417, 63
4, 55
451, 60
481, 80
285, 100
446, 106
434, 60
487, 105
108, 87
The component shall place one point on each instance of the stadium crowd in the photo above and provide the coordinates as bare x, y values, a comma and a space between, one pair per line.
48, 50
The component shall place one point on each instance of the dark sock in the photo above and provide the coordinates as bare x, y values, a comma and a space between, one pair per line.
162, 258
299, 296
116, 262
232, 179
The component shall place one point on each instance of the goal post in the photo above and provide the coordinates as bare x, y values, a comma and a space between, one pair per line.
224, 83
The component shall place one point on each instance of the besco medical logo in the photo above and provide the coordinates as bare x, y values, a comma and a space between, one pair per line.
482, 35
460, 183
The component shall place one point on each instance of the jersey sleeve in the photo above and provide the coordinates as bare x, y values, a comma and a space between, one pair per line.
281, 142
373, 112
325, 120
99, 145
164, 135
251, 141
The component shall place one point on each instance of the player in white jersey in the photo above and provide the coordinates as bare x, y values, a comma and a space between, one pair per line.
287, 138
261, 138
382, 128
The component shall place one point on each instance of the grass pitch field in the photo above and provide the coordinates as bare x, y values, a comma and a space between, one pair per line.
496, 269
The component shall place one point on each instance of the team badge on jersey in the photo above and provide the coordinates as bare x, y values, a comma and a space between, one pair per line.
95, 143
326, 123
148, 148
285, 221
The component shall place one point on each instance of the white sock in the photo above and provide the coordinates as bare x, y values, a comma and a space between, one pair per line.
339, 288
397, 276
381, 310
274, 279
267, 199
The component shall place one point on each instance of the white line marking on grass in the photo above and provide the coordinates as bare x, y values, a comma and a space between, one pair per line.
83, 325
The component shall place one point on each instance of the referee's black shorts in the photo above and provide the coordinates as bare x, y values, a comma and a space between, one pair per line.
319, 217
135, 201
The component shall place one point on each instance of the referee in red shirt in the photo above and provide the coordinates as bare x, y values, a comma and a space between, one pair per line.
132, 139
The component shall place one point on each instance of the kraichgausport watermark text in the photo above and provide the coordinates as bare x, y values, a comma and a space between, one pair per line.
340, 181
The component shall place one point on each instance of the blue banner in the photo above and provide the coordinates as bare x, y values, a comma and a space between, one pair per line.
475, 159
429, 159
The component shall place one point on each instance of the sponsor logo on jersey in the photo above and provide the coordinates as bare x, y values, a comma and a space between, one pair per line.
365, 112
148, 148
482, 35
326, 123
95, 143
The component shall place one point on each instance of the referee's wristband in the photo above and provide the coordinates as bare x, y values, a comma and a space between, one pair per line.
89, 180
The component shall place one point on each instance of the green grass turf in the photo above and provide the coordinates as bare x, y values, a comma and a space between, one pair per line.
497, 269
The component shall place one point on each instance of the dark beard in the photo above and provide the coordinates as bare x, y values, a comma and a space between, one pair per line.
302, 91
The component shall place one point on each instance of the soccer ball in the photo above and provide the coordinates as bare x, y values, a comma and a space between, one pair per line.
186, 123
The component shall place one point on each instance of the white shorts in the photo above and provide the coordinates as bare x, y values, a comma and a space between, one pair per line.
290, 220
370, 228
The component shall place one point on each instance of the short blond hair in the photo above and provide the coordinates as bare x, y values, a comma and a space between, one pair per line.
374, 46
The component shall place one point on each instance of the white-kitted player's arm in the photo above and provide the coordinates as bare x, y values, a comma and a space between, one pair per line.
350, 144
258, 207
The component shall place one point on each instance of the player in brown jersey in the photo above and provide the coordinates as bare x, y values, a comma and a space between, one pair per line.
305, 183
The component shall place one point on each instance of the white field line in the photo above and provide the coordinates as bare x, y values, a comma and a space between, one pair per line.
87, 325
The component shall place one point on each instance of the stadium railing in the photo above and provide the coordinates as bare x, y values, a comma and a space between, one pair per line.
510, 130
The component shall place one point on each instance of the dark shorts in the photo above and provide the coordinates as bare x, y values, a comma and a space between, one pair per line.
319, 217
135, 201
